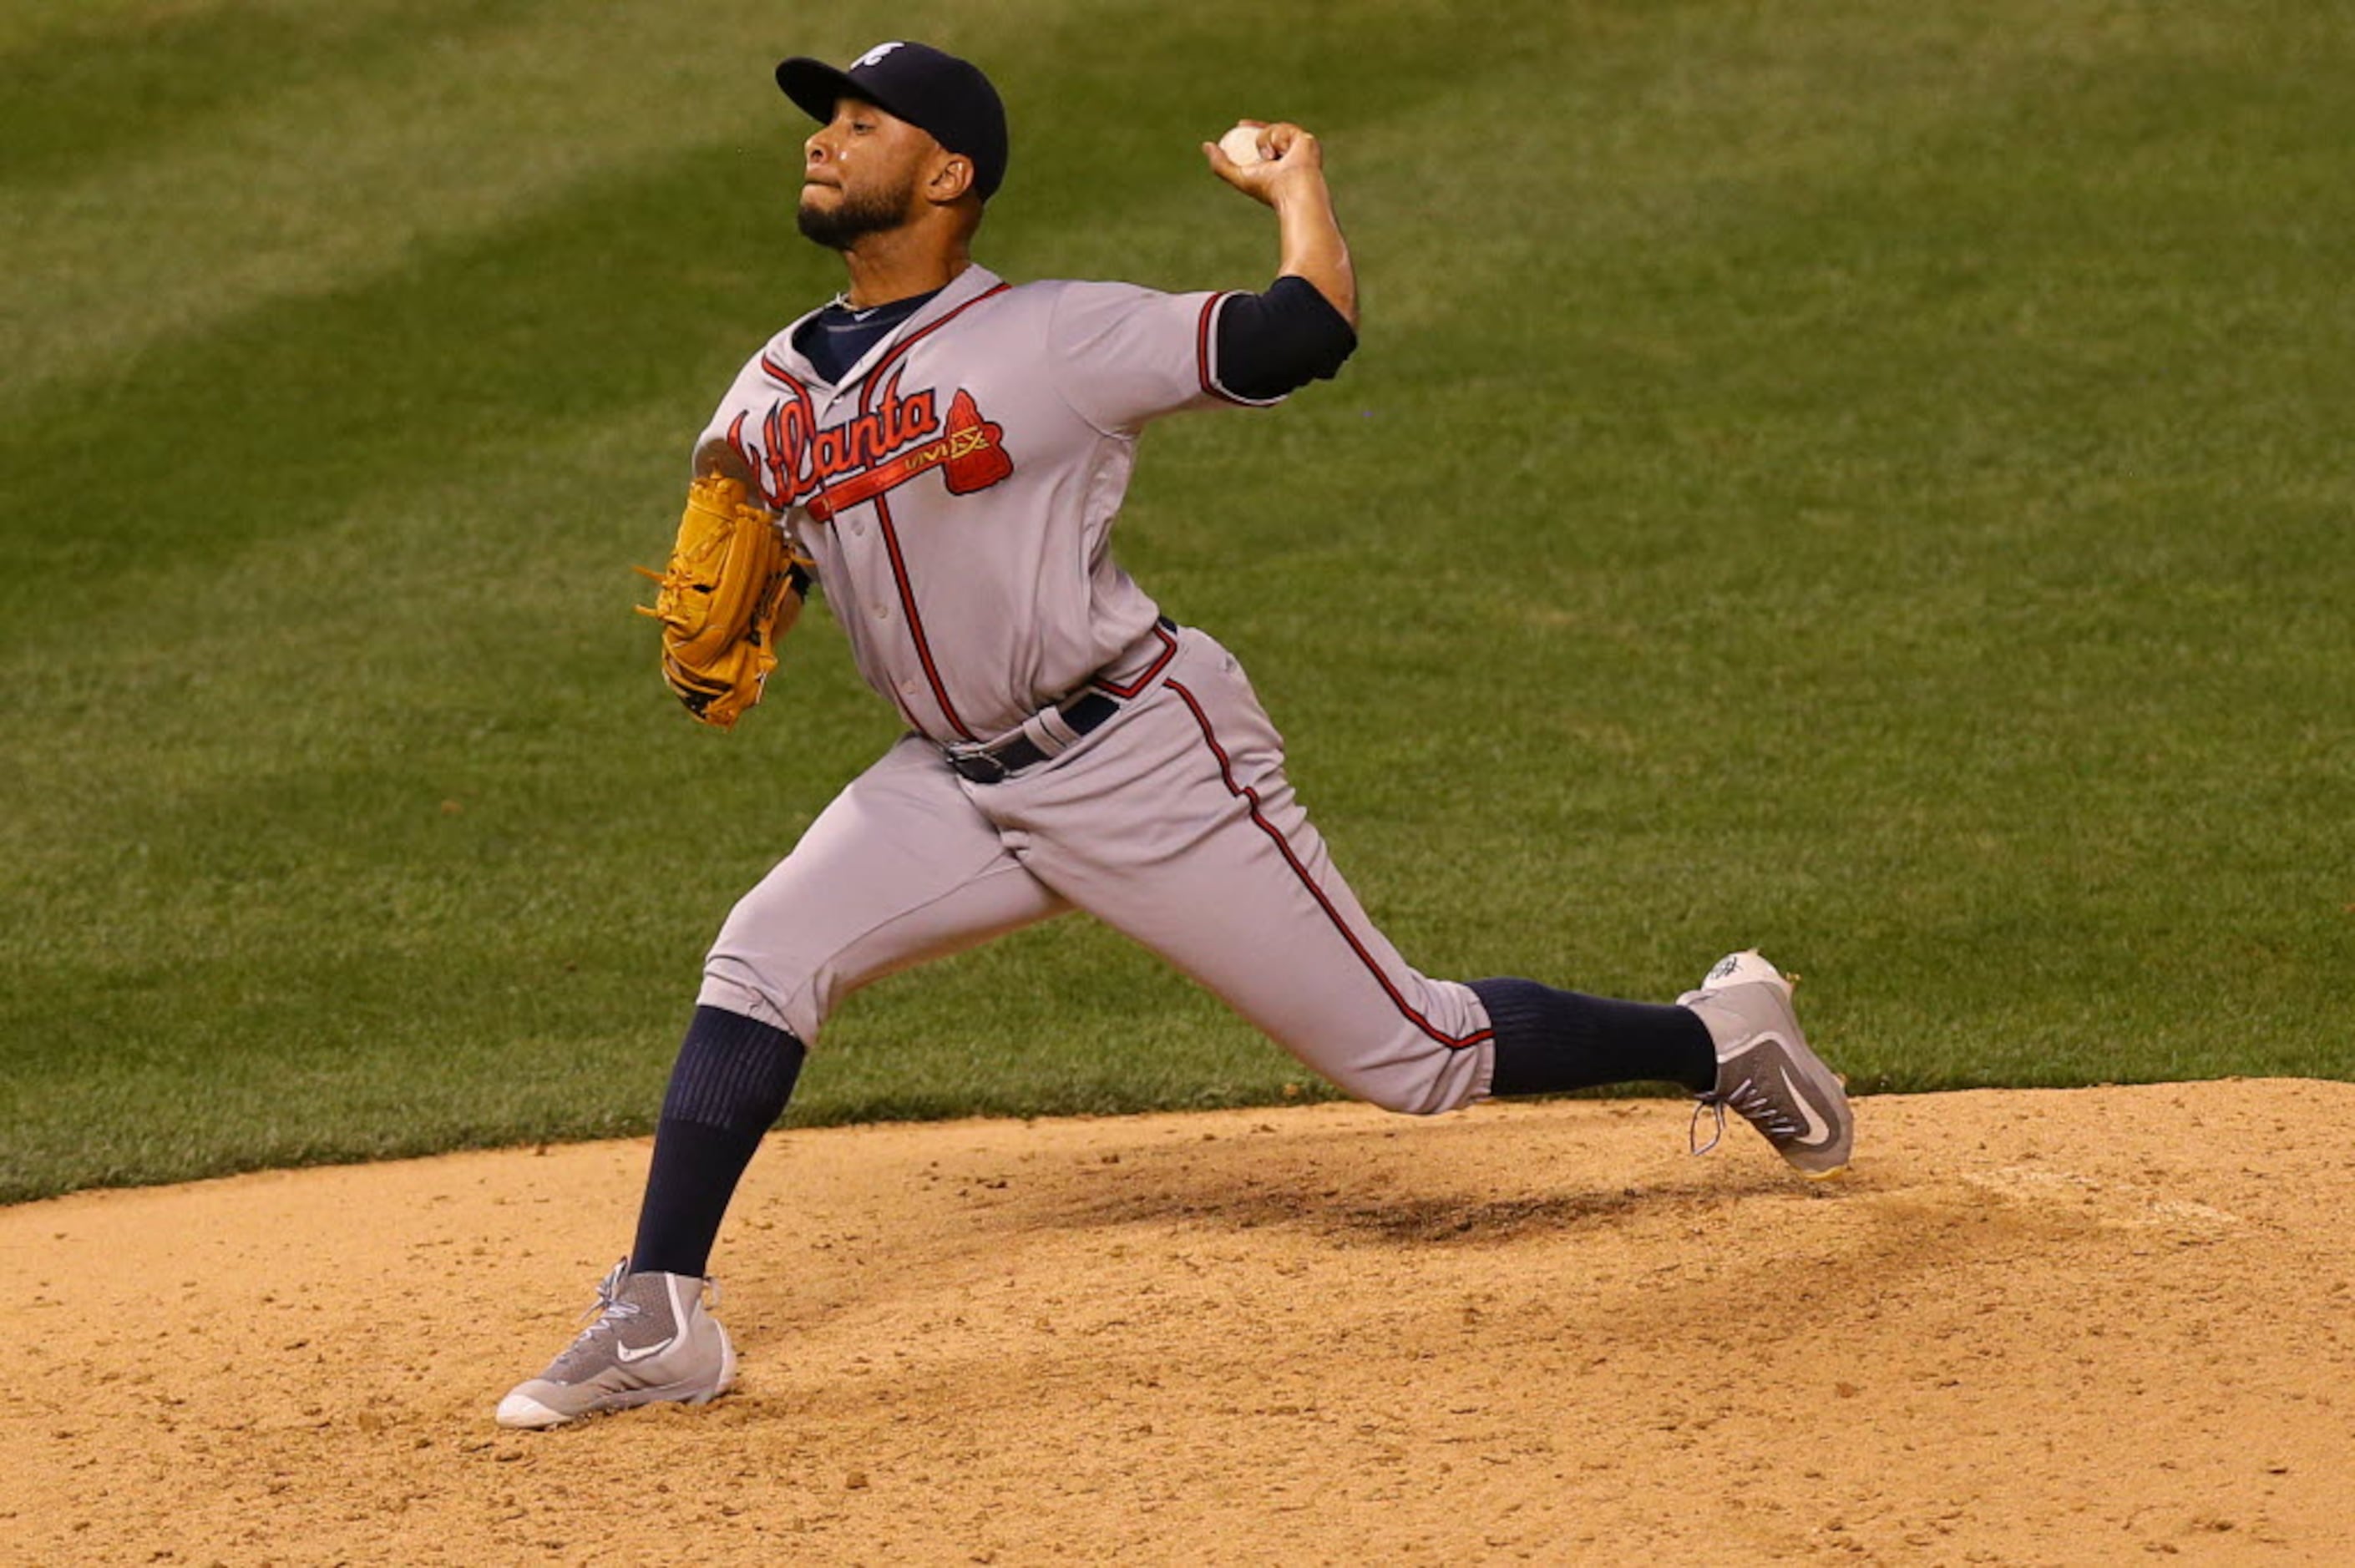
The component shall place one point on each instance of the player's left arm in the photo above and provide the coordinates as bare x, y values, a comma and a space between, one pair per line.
1303, 326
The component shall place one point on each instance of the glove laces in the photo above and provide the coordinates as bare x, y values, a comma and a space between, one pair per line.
675, 578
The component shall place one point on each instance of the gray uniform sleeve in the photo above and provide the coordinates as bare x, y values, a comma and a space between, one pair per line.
1124, 355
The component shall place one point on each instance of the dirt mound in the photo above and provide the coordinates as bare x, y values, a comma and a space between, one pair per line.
2052, 1327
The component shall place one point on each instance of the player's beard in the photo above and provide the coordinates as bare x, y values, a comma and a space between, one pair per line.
854, 218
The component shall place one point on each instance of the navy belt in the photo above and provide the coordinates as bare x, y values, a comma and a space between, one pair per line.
1001, 759
993, 764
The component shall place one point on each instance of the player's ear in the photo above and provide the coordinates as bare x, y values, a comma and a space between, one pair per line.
951, 178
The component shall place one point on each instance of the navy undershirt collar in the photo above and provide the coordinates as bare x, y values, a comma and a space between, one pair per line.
839, 337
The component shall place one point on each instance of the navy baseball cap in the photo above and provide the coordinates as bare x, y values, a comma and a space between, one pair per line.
935, 92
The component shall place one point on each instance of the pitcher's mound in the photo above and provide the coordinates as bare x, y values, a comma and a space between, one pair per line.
2048, 1326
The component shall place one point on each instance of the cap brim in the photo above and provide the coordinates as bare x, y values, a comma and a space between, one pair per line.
815, 86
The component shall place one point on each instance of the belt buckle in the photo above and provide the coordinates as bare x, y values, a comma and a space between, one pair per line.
978, 767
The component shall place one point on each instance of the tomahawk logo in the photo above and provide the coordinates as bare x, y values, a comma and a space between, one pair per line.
874, 55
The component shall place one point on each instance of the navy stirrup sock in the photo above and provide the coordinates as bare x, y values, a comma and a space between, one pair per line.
1551, 1041
729, 1085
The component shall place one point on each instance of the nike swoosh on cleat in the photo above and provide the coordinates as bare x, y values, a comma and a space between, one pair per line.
1816, 1132
623, 1352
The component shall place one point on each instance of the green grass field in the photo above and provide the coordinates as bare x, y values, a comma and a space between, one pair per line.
1866, 480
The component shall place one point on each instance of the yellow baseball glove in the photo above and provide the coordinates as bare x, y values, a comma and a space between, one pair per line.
733, 589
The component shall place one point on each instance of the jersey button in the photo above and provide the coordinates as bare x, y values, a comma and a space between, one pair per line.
882, 611
858, 528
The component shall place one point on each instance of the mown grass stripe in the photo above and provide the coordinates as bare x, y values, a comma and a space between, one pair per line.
124, 86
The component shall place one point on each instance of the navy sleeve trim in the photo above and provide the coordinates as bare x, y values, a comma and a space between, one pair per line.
1278, 342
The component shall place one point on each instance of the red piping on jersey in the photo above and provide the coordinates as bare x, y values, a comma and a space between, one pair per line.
1275, 836
867, 390
915, 621
891, 534
1168, 651
1202, 350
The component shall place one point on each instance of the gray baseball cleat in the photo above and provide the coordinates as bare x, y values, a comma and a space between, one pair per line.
1764, 1070
653, 1340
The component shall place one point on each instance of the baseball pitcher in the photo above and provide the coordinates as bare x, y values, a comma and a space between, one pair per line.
945, 452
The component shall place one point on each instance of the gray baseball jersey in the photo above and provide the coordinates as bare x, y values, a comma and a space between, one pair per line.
957, 491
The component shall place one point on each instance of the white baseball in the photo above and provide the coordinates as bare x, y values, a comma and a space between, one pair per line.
1241, 145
